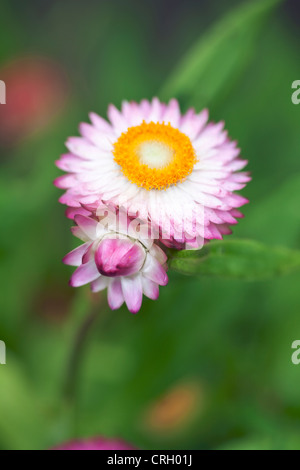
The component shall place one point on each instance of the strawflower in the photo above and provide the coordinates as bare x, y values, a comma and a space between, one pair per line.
176, 170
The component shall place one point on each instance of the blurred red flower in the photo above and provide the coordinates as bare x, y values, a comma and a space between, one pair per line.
36, 90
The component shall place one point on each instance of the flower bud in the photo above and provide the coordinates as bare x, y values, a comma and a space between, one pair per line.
119, 257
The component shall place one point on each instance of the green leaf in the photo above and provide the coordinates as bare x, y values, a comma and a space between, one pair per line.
219, 56
236, 259
22, 423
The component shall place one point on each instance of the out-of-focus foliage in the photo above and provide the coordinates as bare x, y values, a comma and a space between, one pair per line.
237, 259
215, 60
208, 365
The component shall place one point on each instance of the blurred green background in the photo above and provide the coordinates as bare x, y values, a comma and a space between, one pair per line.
208, 365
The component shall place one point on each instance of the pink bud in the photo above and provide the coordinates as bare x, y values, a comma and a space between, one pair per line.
119, 257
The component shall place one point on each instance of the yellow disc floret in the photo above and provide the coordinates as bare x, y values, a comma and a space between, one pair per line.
154, 155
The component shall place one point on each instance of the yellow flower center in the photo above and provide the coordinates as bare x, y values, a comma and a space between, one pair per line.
154, 155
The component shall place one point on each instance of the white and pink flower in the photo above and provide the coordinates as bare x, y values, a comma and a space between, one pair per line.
177, 171
123, 261
175, 174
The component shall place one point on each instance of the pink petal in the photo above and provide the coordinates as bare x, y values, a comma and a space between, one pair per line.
70, 162
192, 124
99, 284
84, 274
150, 288
158, 253
77, 232
132, 113
96, 137
133, 292
87, 225
69, 199
74, 258
82, 148
156, 113
172, 113
236, 213
72, 211
115, 294
100, 123
65, 181
117, 119
153, 270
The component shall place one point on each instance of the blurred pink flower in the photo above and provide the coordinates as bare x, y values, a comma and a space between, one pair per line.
98, 443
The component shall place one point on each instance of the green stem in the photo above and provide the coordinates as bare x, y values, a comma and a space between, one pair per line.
76, 355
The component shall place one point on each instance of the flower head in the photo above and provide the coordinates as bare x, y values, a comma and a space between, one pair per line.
174, 170
118, 256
